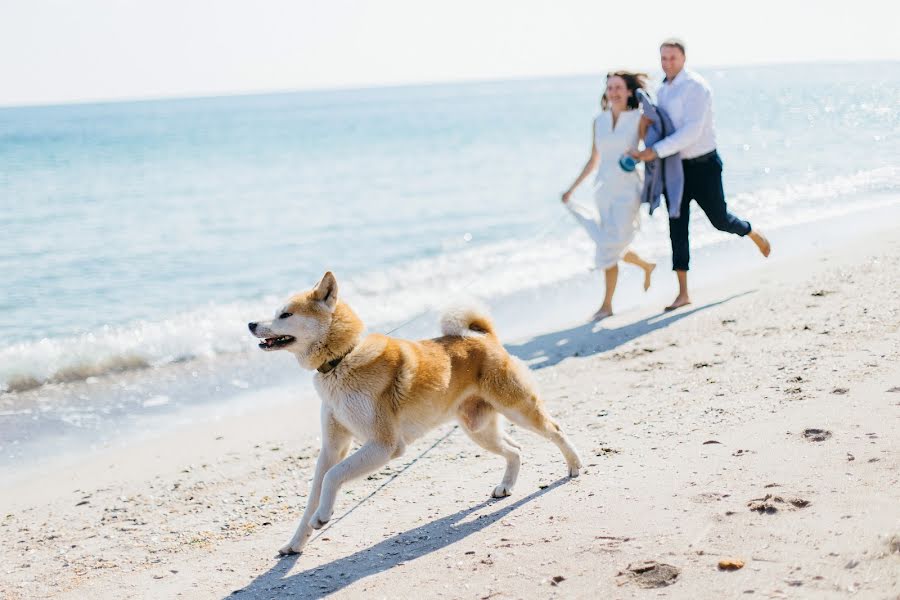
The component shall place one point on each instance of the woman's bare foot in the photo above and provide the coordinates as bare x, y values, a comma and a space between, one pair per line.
678, 303
761, 242
648, 271
601, 314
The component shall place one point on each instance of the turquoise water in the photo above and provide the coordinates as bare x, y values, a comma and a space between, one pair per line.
146, 234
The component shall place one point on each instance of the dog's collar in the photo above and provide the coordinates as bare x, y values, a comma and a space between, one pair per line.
329, 366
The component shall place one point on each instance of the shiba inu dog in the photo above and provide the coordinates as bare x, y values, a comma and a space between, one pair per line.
386, 392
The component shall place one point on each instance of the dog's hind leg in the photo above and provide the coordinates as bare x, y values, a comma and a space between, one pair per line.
510, 391
535, 418
335, 444
482, 423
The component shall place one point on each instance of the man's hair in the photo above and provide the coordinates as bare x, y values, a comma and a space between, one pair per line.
673, 43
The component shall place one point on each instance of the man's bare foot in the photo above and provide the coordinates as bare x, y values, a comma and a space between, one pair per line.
647, 273
679, 302
601, 314
761, 242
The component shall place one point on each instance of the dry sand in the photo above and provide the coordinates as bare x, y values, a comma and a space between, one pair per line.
697, 429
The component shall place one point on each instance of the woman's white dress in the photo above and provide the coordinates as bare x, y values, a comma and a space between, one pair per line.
617, 193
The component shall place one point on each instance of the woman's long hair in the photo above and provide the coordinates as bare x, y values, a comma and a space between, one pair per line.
633, 81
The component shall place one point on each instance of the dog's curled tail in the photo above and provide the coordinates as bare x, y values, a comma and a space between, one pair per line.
467, 320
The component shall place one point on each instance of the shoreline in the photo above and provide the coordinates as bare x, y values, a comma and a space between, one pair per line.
682, 418
85, 419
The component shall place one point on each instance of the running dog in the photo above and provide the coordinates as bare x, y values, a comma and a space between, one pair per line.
386, 392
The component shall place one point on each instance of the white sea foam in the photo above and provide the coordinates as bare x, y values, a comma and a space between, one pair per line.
391, 295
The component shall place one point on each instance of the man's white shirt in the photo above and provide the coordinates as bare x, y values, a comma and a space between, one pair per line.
688, 101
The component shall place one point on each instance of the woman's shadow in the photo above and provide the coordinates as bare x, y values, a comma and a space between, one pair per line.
318, 582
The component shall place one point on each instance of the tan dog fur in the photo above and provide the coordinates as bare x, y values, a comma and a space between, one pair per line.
386, 392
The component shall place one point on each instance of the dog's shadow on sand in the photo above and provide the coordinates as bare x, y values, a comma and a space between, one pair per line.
320, 581
593, 338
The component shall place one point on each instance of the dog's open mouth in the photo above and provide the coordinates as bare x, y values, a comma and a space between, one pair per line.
277, 342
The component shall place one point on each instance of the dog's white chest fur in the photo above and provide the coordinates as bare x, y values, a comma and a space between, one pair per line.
353, 410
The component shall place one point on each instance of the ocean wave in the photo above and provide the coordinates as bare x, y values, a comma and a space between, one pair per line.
796, 202
389, 296
205, 333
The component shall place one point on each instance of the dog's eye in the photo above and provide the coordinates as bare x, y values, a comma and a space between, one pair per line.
285, 315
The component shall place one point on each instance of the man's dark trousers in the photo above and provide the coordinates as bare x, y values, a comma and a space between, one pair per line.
703, 183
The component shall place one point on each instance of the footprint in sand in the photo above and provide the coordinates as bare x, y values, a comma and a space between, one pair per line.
771, 504
816, 435
651, 574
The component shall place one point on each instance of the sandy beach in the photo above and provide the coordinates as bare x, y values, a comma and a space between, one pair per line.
758, 425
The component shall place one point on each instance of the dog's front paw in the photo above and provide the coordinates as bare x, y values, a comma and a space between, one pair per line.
319, 520
575, 467
290, 549
502, 491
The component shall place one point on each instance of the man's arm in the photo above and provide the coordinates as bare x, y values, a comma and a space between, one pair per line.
697, 102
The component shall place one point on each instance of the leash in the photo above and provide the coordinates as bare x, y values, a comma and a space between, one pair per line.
543, 232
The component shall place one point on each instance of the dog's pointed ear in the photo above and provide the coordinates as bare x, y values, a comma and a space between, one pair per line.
326, 291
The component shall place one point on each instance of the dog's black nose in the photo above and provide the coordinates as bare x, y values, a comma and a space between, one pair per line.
252, 327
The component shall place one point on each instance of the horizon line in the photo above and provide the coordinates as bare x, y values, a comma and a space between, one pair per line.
351, 87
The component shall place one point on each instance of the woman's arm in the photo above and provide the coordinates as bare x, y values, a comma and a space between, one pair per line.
643, 126
589, 166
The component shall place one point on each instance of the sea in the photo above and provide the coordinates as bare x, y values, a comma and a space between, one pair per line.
138, 238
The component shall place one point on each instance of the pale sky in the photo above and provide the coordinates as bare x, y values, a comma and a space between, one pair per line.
54, 51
